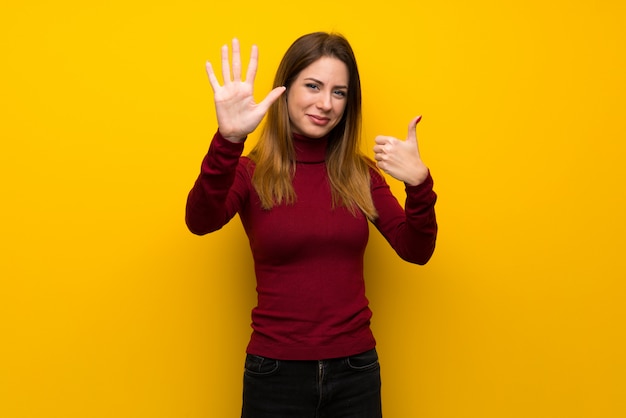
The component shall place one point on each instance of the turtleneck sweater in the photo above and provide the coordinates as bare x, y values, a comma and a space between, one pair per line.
308, 256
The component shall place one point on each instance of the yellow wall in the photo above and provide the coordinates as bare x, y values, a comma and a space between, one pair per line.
109, 307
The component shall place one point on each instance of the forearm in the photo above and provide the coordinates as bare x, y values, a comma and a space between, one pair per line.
411, 231
421, 219
207, 209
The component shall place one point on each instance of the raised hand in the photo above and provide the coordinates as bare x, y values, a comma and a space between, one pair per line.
401, 159
237, 112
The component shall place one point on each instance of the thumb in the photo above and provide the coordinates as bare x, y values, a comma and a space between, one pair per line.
412, 135
271, 97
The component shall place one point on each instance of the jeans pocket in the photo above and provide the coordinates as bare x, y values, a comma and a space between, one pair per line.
364, 361
260, 366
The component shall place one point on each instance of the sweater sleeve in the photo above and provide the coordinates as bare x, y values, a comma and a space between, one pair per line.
220, 189
411, 231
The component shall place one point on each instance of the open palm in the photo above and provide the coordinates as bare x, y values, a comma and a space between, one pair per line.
237, 112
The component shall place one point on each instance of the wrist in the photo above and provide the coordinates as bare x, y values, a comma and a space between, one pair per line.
232, 137
419, 177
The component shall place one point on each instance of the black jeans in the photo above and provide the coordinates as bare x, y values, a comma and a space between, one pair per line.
338, 388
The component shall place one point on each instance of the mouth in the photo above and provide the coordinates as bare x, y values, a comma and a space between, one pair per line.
318, 120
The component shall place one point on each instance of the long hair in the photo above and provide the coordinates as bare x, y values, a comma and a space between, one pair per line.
274, 154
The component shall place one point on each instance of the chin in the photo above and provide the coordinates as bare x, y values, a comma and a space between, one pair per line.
316, 135
317, 132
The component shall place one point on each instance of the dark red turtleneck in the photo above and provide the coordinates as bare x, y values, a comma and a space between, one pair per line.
308, 257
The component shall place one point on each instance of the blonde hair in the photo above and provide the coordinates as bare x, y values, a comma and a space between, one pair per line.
274, 154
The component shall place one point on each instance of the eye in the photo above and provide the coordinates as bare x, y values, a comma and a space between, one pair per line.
340, 93
312, 86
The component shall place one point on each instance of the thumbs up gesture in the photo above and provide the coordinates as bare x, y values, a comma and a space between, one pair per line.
401, 159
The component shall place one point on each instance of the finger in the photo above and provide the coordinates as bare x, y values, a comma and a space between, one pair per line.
252, 65
412, 135
236, 60
225, 65
381, 148
382, 140
271, 97
212, 78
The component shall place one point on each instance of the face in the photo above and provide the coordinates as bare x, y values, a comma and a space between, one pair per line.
317, 97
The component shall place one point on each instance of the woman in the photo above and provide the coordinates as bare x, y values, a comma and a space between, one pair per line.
305, 194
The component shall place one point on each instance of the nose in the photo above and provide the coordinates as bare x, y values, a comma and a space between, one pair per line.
324, 102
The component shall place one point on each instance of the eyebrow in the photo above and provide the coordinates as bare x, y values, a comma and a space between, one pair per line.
321, 83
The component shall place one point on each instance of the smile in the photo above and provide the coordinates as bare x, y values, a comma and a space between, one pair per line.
319, 120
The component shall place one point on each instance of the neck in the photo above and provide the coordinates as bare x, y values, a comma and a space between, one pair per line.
310, 150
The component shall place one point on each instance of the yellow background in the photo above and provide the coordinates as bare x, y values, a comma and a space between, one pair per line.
109, 307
